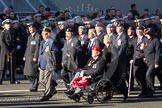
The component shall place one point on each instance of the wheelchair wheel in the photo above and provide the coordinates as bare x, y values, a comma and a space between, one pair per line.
90, 99
104, 90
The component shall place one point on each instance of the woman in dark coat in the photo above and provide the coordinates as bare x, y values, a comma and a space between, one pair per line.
110, 53
152, 59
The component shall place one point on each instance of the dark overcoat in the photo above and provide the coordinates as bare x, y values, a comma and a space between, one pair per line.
32, 51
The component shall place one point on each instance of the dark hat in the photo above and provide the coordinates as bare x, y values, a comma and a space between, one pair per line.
139, 28
47, 9
38, 14
30, 23
15, 21
47, 30
131, 28
120, 25
88, 22
61, 22
114, 20
138, 20
6, 21
99, 25
66, 11
69, 30
44, 21
51, 19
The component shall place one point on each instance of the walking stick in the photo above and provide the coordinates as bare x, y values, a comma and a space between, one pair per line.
11, 71
130, 75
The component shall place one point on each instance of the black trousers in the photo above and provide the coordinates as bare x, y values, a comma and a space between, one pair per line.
150, 75
34, 81
67, 76
7, 63
139, 73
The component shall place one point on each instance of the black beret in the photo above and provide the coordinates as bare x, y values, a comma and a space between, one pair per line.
139, 28
47, 30
69, 30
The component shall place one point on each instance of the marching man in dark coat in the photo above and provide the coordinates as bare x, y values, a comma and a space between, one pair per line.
7, 50
31, 57
71, 50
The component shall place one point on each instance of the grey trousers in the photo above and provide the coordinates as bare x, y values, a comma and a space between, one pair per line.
45, 78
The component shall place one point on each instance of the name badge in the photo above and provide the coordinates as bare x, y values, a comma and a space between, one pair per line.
33, 43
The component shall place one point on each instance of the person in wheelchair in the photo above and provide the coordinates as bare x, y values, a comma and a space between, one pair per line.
92, 72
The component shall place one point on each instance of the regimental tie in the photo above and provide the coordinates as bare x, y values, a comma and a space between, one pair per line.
138, 40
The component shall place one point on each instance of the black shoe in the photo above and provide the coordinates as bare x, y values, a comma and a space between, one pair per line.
33, 90
1, 82
73, 96
149, 95
70, 92
105, 99
125, 94
45, 98
141, 95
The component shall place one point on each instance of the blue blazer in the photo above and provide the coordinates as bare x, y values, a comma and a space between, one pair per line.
42, 60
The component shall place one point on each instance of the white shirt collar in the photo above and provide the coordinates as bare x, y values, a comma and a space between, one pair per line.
32, 34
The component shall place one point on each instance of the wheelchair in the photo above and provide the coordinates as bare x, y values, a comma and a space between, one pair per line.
98, 89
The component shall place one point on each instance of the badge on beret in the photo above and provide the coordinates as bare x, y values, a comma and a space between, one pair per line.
33, 43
